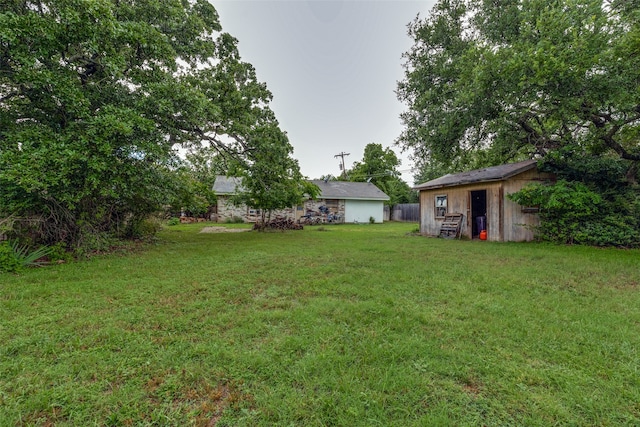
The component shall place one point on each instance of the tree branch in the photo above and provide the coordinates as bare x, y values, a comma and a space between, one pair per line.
600, 121
9, 96
534, 137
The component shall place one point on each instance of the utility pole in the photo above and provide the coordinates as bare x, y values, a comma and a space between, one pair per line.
342, 168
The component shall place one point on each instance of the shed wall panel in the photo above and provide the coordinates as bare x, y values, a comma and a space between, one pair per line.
518, 224
458, 202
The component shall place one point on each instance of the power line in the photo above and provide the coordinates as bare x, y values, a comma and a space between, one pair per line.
342, 168
389, 173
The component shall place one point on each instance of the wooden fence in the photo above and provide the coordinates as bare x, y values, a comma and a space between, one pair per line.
405, 212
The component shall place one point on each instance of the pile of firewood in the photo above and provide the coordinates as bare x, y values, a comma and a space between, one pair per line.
278, 224
190, 219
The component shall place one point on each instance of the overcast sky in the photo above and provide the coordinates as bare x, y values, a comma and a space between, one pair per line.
332, 67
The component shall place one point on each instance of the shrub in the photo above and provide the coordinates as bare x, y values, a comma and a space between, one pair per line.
234, 220
8, 260
91, 243
143, 228
14, 257
59, 253
571, 212
610, 231
173, 221
372, 220
6, 224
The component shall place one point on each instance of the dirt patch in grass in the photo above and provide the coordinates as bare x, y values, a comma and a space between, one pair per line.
223, 230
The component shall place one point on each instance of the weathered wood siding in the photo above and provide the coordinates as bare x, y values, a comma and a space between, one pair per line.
518, 223
506, 220
458, 202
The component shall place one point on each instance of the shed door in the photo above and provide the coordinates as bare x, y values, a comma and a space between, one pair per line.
478, 209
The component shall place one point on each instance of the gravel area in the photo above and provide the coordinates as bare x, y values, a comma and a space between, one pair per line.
223, 230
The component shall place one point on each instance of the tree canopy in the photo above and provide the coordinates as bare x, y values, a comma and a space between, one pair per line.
487, 82
97, 95
380, 166
271, 179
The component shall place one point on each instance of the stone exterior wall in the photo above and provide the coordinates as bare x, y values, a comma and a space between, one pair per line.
335, 206
227, 211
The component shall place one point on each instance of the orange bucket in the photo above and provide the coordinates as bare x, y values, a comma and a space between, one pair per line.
483, 235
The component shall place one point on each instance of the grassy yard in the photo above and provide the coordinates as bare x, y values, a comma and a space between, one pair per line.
360, 325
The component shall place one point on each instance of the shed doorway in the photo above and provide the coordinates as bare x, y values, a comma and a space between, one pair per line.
478, 209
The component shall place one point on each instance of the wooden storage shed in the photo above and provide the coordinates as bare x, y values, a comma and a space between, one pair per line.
482, 193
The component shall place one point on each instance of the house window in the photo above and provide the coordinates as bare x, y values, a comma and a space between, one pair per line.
441, 206
332, 204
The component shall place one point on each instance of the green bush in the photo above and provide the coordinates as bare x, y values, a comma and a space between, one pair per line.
234, 220
6, 224
59, 253
143, 228
8, 261
610, 231
173, 221
571, 212
92, 243
14, 257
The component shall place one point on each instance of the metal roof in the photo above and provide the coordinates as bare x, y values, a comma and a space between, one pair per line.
349, 190
328, 190
494, 173
226, 185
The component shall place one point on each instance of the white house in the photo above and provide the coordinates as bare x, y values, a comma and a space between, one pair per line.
353, 201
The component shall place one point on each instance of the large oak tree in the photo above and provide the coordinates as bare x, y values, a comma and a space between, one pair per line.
490, 81
97, 95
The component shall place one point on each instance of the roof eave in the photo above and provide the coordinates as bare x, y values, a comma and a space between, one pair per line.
459, 183
519, 171
377, 199
477, 181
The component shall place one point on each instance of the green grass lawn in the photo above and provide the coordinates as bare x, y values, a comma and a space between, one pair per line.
361, 325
